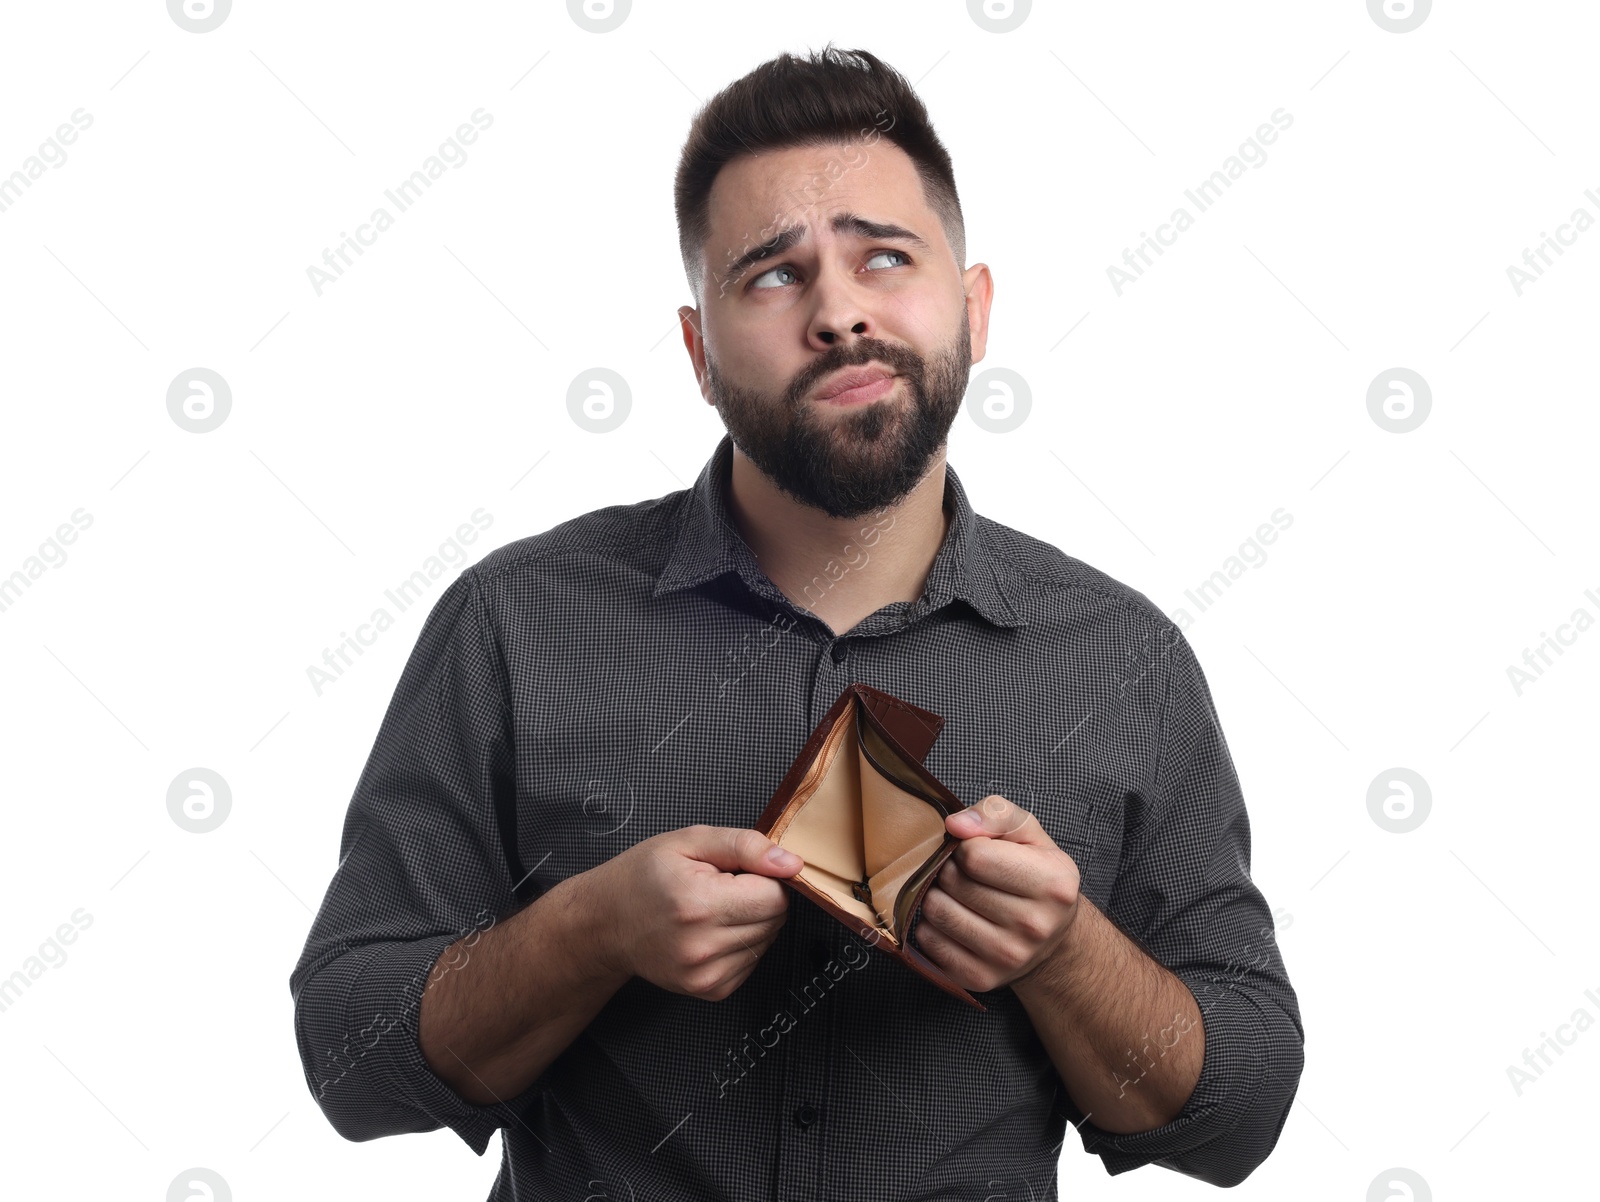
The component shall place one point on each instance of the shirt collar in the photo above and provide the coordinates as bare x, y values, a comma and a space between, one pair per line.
968, 567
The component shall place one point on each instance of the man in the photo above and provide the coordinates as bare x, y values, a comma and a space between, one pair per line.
595, 716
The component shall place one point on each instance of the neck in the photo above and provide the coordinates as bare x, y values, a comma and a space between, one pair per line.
840, 569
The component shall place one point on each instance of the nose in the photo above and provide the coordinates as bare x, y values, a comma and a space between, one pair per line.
841, 314
824, 333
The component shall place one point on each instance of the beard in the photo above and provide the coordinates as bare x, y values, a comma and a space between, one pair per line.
867, 457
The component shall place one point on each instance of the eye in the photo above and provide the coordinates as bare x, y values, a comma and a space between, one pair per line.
880, 254
756, 283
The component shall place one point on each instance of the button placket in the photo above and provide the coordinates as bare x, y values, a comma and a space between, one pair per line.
806, 1077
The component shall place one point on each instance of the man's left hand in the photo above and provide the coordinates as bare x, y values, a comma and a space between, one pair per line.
1004, 900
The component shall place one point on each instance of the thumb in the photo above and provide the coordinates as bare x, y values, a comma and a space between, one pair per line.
998, 818
739, 849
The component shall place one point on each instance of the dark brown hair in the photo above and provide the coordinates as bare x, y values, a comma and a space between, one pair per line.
832, 96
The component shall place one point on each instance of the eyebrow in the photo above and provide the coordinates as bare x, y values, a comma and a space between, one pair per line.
842, 223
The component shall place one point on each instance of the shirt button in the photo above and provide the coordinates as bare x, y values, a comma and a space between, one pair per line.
804, 1116
839, 652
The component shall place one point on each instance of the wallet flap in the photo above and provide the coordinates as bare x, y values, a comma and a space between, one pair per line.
911, 726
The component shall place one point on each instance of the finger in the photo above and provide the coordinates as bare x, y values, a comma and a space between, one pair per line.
739, 849
748, 897
731, 898
948, 952
1000, 906
1016, 868
962, 924
997, 818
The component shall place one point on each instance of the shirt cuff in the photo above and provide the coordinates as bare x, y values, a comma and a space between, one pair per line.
384, 1016
1230, 1080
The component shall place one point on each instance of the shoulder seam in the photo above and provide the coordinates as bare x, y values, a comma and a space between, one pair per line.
536, 554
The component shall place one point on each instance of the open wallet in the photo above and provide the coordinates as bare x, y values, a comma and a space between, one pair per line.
858, 806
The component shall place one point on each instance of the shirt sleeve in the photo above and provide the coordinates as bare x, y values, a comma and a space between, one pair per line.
421, 865
1184, 893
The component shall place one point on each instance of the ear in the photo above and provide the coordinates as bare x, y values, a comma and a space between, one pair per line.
978, 284
695, 344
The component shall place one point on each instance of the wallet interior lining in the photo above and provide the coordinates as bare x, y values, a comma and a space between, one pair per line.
855, 824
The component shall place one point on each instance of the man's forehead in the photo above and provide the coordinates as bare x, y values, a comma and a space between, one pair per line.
808, 184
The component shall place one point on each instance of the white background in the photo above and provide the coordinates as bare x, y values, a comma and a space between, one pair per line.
369, 422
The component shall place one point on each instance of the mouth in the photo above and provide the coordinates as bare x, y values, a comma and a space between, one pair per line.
857, 386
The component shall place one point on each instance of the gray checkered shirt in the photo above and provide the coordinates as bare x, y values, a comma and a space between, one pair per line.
632, 671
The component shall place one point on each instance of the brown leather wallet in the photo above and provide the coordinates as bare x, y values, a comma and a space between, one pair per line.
858, 806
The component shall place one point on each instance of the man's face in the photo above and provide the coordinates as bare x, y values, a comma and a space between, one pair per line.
869, 284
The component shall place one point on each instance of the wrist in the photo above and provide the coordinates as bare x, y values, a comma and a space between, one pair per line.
593, 935
1066, 956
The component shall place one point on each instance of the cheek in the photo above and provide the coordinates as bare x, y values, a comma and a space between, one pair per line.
755, 355
922, 320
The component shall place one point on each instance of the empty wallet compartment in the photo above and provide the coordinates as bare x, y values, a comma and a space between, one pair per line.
868, 821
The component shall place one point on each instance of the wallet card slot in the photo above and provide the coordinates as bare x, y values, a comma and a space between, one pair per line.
912, 889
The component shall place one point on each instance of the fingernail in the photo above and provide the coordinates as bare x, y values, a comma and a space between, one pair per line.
781, 857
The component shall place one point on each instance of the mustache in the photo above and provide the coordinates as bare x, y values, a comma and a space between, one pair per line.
902, 360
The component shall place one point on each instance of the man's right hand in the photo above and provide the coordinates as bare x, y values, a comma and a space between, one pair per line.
692, 910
